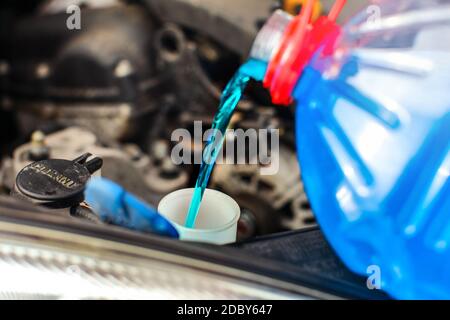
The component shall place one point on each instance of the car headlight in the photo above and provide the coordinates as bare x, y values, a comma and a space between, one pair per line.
38, 263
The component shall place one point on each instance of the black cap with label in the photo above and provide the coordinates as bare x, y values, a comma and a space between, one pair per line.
57, 182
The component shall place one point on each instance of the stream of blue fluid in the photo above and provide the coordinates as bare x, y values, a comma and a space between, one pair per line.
252, 69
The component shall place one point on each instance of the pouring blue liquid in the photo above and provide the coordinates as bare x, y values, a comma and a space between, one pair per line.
252, 69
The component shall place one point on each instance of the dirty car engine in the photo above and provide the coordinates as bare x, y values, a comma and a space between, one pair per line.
120, 85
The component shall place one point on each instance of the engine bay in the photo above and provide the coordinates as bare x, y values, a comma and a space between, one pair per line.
119, 86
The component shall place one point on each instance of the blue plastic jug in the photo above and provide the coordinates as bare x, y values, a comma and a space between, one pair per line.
373, 138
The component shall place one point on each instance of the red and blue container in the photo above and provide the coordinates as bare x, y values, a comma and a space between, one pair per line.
373, 133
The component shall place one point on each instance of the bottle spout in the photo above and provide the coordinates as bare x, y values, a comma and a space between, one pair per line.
288, 43
269, 38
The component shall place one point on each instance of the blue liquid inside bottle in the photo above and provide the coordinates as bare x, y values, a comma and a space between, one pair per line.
373, 140
252, 69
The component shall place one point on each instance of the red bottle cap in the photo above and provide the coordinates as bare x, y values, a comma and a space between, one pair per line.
300, 41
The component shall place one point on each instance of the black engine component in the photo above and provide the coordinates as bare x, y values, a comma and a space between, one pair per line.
47, 61
96, 76
232, 23
123, 62
57, 183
